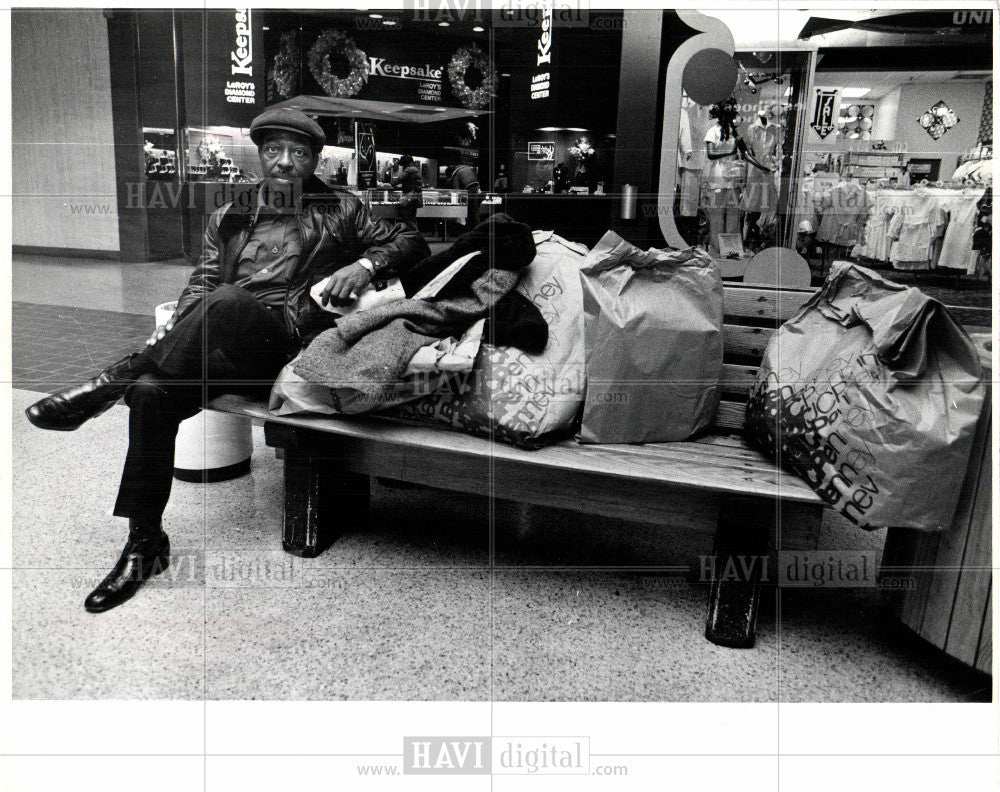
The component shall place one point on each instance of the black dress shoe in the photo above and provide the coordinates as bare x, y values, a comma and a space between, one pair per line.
67, 409
139, 561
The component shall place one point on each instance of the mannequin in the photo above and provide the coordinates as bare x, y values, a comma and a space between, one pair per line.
728, 156
760, 199
723, 174
691, 159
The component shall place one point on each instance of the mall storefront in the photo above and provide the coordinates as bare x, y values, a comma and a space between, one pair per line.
666, 126
378, 90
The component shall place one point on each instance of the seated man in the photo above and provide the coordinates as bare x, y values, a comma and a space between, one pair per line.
245, 312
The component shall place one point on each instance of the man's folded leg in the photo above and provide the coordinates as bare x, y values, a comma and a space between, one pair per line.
228, 334
69, 408
228, 342
156, 408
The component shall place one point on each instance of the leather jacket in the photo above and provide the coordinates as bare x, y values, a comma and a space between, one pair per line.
336, 229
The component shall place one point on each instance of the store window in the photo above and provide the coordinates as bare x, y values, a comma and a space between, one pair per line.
221, 154
896, 166
734, 157
160, 150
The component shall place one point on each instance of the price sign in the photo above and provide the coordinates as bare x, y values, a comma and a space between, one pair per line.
541, 151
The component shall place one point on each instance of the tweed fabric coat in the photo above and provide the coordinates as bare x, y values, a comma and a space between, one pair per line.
369, 351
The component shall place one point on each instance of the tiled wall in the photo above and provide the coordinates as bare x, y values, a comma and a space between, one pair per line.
63, 146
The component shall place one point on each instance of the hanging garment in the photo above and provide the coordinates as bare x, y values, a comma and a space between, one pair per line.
982, 238
956, 247
845, 210
914, 228
694, 128
689, 188
685, 147
691, 157
761, 193
873, 243
807, 204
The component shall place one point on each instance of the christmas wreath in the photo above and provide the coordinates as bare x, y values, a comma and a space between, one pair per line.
464, 59
336, 44
284, 75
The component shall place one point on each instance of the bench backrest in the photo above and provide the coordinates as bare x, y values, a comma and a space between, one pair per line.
751, 315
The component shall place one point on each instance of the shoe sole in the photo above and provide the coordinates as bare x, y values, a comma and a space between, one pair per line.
40, 423
49, 427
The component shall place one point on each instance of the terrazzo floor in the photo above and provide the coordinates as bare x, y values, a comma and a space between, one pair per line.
415, 606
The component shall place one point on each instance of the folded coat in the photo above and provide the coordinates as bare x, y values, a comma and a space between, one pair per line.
369, 351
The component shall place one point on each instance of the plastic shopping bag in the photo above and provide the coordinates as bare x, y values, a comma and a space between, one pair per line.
511, 395
871, 393
653, 340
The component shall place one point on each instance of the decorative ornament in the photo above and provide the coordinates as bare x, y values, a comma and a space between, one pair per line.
938, 120
336, 43
466, 58
582, 150
284, 74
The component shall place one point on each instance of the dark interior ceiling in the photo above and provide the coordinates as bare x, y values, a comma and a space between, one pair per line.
405, 24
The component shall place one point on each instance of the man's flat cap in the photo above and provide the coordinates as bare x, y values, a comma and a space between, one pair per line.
285, 119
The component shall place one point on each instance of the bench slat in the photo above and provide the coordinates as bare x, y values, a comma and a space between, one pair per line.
730, 414
764, 303
737, 380
745, 341
710, 464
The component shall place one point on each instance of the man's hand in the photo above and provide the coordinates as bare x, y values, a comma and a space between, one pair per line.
162, 330
345, 285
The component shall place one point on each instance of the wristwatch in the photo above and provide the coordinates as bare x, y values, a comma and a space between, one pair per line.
368, 264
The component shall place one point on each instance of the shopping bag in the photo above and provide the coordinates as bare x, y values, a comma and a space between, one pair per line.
653, 343
511, 395
871, 393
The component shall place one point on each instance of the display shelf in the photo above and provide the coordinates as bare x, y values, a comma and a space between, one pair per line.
872, 165
431, 197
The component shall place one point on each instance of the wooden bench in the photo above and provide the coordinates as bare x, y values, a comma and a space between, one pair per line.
714, 482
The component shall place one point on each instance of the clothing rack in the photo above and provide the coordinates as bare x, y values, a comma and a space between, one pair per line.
925, 185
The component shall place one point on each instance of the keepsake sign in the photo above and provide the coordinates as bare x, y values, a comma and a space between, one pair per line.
234, 66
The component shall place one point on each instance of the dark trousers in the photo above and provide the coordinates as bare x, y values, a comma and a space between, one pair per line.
226, 343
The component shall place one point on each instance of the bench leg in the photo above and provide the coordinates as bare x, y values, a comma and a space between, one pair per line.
322, 501
738, 567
